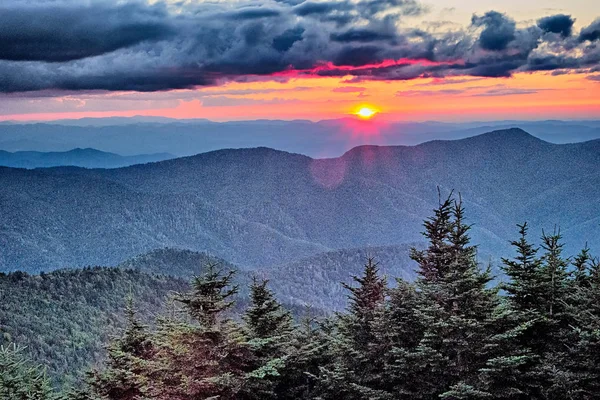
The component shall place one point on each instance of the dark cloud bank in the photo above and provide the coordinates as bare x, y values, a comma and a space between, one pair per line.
108, 45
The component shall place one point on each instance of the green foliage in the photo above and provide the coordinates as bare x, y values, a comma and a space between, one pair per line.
449, 335
65, 318
19, 380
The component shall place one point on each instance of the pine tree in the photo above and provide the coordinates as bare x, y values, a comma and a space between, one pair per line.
310, 350
537, 324
524, 273
401, 331
210, 296
208, 358
269, 328
125, 375
19, 379
554, 332
457, 306
266, 317
358, 367
584, 359
511, 371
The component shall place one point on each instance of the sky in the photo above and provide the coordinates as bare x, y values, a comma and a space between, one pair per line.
445, 60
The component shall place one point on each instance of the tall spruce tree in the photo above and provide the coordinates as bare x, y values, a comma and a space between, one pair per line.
512, 371
583, 359
207, 358
400, 330
457, 307
358, 367
269, 328
125, 375
555, 330
310, 349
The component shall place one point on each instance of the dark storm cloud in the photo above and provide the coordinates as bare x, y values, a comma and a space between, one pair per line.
321, 8
69, 33
254, 13
559, 23
360, 35
64, 45
498, 32
591, 32
286, 40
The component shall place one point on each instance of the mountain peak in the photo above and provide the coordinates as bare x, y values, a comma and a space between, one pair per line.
509, 133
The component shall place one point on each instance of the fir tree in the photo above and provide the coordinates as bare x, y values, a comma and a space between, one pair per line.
310, 350
269, 328
19, 379
401, 331
208, 358
210, 296
524, 273
125, 375
511, 372
358, 367
457, 306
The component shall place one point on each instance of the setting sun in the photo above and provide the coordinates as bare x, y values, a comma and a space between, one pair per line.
366, 112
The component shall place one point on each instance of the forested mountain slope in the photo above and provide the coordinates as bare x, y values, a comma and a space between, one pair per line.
65, 318
87, 158
261, 207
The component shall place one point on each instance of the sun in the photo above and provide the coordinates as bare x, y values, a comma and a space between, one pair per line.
366, 112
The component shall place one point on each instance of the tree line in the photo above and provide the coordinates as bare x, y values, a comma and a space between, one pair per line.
451, 334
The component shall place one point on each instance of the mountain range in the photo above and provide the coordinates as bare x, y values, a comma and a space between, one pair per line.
86, 158
260, 208
327, 138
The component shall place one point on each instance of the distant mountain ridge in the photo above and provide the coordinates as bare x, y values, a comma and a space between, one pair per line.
314, 280
86, 158
260, 207
327, 138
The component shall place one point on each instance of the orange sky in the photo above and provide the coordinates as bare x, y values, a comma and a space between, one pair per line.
524, 96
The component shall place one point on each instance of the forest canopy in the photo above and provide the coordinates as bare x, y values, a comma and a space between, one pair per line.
453, 333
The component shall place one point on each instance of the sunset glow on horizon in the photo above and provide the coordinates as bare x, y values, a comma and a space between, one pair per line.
366, 112
292, 60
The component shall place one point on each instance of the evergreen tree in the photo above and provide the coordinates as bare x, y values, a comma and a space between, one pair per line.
208, 358
524, 273
457, 306
401, 331
310, 350
511, 372
19, 379
555, 330
125, 375
269, 328
210, 295
358, 367
584, 360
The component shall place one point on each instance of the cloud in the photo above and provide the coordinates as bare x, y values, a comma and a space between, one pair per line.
595, 78
349, 89
591, 32
360, 35
498, 32
446, 92
559, 23
504, 91
137, 46
61, 33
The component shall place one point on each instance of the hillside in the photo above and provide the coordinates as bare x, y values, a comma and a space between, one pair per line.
316, 280
86, 158
179, 263
313, 281
66, 317
261, 207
